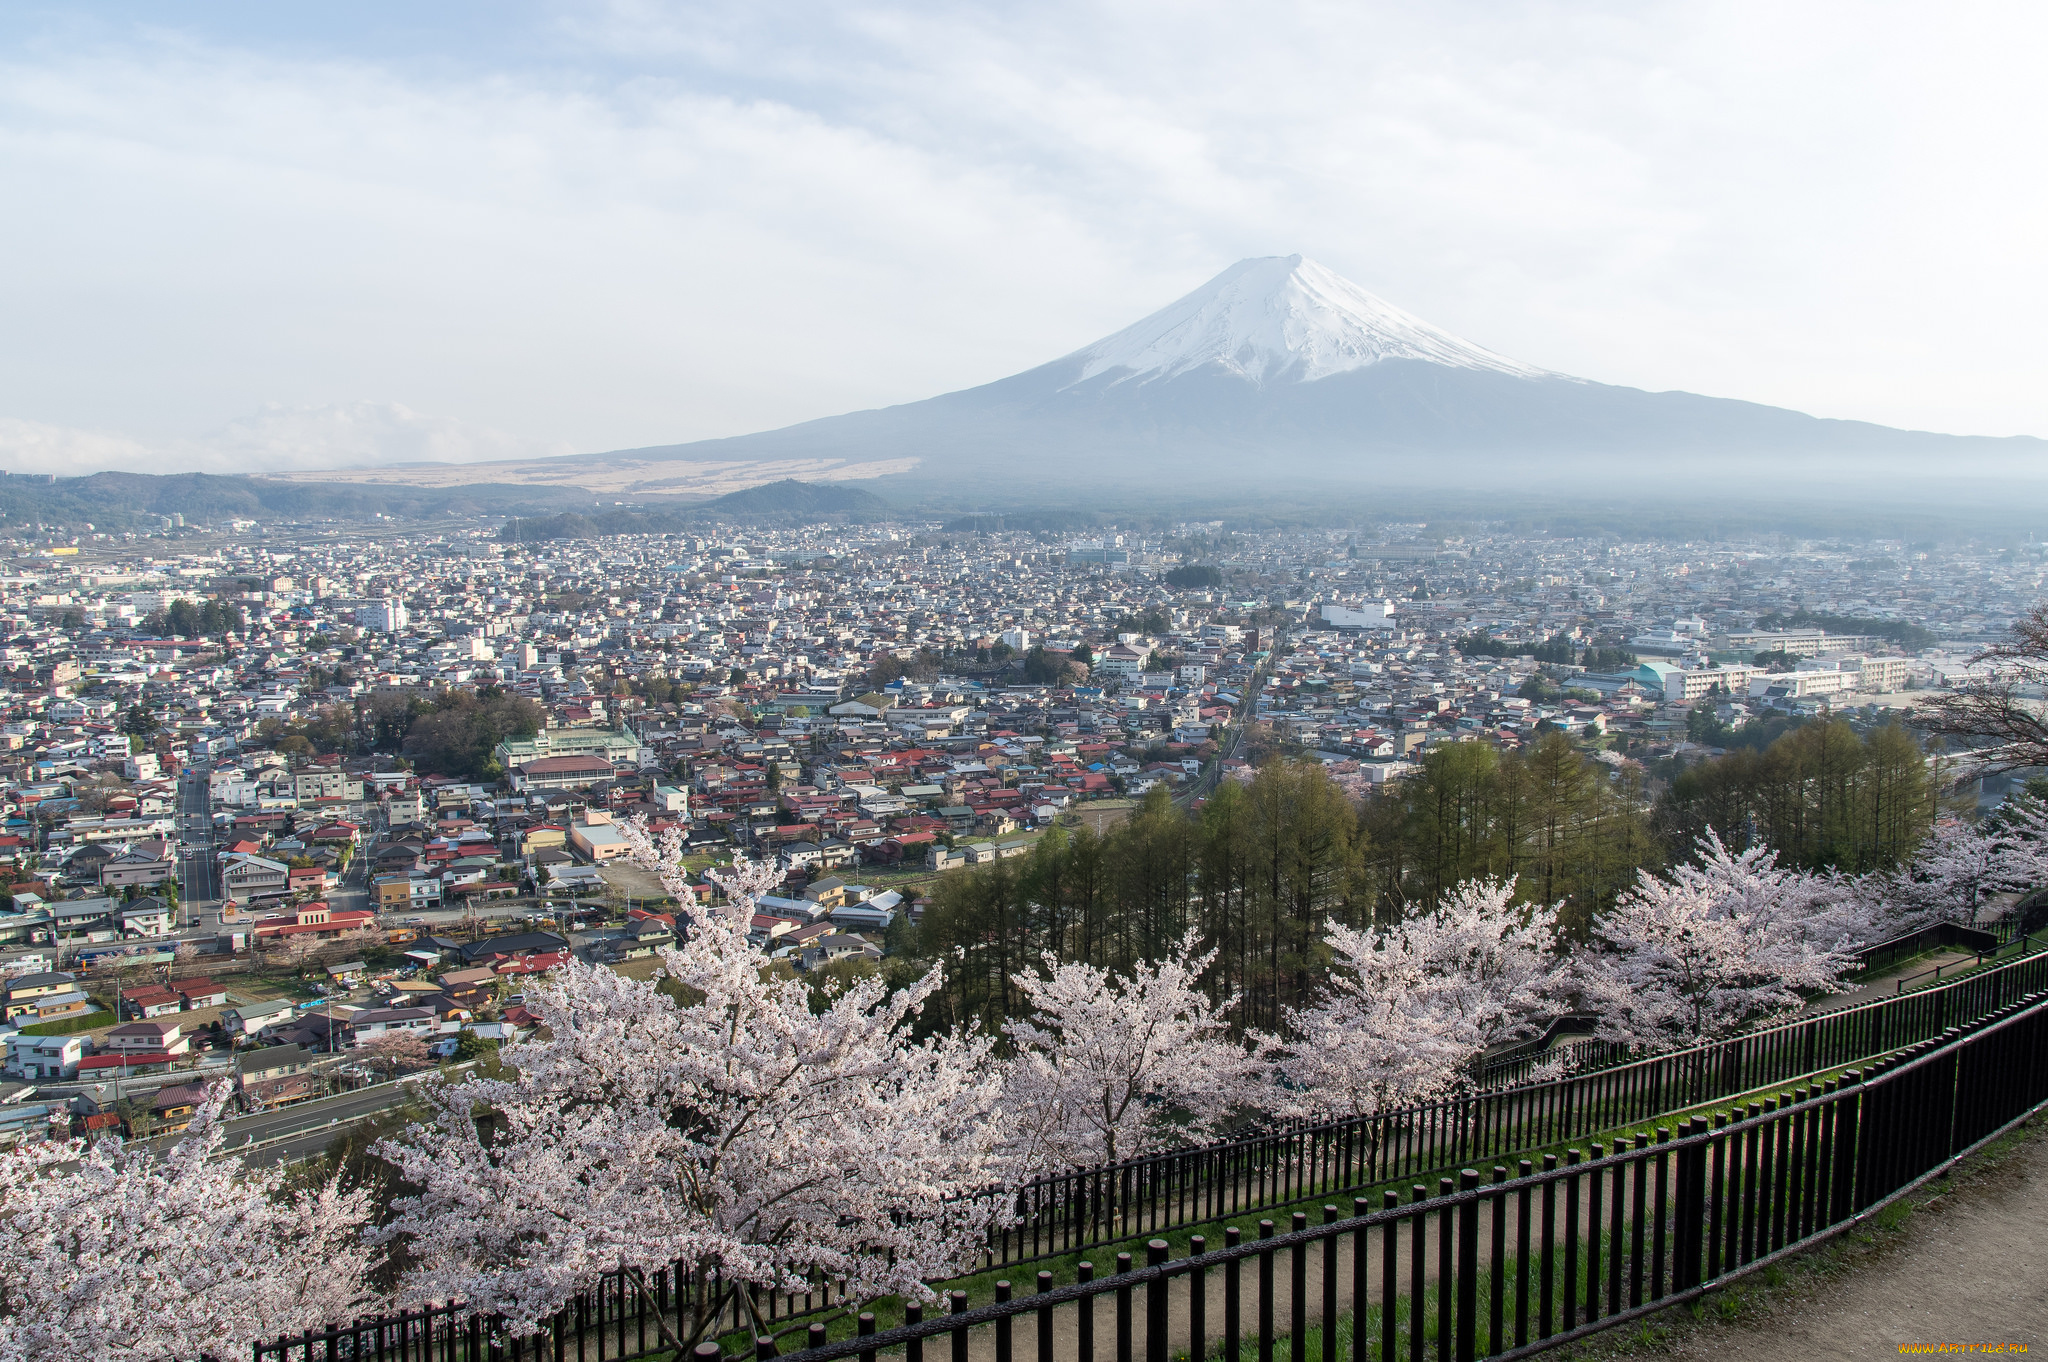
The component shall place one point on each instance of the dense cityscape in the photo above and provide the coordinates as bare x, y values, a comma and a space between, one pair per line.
387, 770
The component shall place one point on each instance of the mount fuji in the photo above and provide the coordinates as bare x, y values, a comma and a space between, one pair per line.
1282, 374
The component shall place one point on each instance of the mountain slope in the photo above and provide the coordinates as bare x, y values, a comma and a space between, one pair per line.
1284, 319
1280, 372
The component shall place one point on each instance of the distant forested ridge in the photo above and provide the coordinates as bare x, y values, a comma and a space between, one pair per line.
1905, 633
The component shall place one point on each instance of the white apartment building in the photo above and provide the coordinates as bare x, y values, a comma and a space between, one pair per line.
1795, 685
1680, 684
386, 615
1878, 675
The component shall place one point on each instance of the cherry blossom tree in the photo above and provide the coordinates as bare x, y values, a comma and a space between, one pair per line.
1957, 865
1406, 1010
1827, 910
394, 1050
1699, 955
736, 1131
123, 1252
1961, 863
1112, 1066
2019, 831
293, 950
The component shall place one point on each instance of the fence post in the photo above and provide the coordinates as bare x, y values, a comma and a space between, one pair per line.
1685, 1216
1084, 1323
1390, 1276
1004, 1340
1467, 1269
956, 1304
1233, 1303
1155, 1304
1330, 1217
1265, 1295
1446, 1271
1044, 1320
1570, 1293
1496, 1295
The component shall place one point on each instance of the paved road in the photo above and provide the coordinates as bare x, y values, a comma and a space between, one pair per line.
198, 887
307, 1129
1240, 727
320, 1115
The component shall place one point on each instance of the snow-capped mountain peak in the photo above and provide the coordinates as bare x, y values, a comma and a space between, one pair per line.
1280, 318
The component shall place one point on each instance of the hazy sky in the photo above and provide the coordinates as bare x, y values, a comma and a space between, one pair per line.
250, 234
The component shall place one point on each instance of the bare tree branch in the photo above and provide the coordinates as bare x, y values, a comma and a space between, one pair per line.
1995, 718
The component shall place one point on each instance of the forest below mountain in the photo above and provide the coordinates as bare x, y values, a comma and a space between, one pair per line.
1264, 868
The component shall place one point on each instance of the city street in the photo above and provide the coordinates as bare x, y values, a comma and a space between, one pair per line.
302, 1131
198, 875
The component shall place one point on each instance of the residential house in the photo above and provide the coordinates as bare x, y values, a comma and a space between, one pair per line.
307, 879
155, 1036
146, 863
44, 1057
249, 1019
377, 1021
148, 916
510, 945
151, 1000
172, 1107
247, 878
276, 1077
45, 997
471, 987
198, 993
95, 919
837, 946
830, 892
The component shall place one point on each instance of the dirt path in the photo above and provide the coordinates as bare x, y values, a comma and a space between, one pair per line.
1968, 1267
1971, 1268
1885, 986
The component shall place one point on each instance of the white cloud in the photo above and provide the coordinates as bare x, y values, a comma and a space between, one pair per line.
660, 222
38, 447
365, 435
274, 440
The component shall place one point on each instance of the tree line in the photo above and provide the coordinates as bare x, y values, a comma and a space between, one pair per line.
1559, 649
449, 731
194, 621
1820, 794
1262, 870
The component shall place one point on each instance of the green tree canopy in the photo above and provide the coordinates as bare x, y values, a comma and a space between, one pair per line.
456, 734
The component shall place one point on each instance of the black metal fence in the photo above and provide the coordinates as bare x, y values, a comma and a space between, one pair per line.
619, 1317
1934, 936
1469, 1269
1536, 1257
1071, 1211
